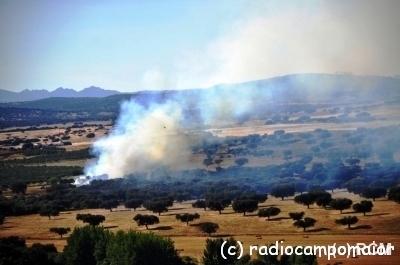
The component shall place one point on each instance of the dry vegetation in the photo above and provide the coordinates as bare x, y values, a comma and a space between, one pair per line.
381, 225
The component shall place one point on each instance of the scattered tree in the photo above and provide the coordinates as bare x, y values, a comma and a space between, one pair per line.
133, 203
243, 206
187, 217
340, 204
268, 212
305, 199
305, 223
323, 201
93, 220
208, 227
296, 215
394, 194
241, 161
212, 252
60, 230
282, 191
109, 204
373, 193
348, 220
200, 204
19, 187
144, 219
363, 207
49, 212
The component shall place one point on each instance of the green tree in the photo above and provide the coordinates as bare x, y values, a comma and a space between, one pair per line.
60, 230
109, 204
93, 220
241, 161
212, 252
363, 207
158, 206
305, 199
282, 191
48, 212
323, 201
86, 246
187, 217
296, 215
305, 223
268, 212
373, 193
144, 219
141, 249
340, 204
133, 203
394, 194
208, 227
200, 204
243, 206
348, 220
19, 187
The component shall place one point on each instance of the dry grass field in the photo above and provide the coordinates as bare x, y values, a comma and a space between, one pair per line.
381, 225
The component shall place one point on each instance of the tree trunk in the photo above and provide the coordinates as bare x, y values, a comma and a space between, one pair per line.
304, 229
110, 210
187, 222
282, 198
373, 199
364, 213
348, 226
219, 211
308, 206
49, 217
147, 227
244, 213
341, 211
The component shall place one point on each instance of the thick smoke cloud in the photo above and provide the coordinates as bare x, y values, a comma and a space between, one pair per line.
143, 139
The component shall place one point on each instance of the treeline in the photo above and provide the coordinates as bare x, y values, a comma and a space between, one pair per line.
35, 174
47, 155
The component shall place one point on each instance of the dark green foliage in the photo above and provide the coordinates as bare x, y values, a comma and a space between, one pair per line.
36, 174
109, 204
208, 227
282, 191
133, 203
86, 246
363, 207
13, 250
187, 217
90, 135
60, 230
48, 212
305, 223
141, 249
93, 220
323, 201
373, 193
268, 212
340, 204
146, 220
215, 205
296, 215
19, 187
348, 220
305, 199
158, 205
212, 252
200, 204
241, 161
394, 194
244, 205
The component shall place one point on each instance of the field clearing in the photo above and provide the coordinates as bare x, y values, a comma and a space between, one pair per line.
380, 225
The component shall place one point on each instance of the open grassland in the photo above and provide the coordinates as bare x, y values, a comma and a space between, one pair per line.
381, 225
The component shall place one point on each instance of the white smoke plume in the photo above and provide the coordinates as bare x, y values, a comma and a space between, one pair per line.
142, 139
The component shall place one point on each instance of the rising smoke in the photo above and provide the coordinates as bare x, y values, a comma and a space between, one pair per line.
142, 140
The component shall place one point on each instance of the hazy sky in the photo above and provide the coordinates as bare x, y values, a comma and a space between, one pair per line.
165, 44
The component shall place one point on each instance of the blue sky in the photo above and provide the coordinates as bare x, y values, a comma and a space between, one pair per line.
143, 45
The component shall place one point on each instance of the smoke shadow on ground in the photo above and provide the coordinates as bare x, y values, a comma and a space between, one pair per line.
376, 214
360, 227
167, 227
318, 229
279, 219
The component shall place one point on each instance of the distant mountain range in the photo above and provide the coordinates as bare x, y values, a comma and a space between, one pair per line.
29, 95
